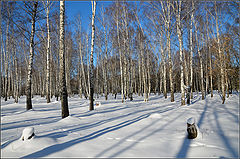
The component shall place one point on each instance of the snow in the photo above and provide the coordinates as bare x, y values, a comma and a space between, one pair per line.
156, 128
191, 120
27, 133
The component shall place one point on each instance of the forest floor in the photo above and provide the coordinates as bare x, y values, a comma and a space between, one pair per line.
156, 128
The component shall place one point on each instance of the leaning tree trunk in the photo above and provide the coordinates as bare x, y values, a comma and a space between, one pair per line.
30, 63
63, 89
91, 57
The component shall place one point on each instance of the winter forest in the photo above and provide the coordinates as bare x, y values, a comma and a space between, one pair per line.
128, 50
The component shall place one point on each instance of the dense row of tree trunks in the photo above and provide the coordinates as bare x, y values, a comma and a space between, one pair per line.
133, 55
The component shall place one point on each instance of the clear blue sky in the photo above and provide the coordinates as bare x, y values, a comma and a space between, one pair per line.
73, 8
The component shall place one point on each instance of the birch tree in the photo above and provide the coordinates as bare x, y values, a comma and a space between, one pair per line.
143, 69
191, 50
179, 33
120, 53
63, 89
30, 62
48, 53
221, 55
91, 58
169, 48
0, 52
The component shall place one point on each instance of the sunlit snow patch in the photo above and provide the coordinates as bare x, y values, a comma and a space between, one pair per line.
28, 133
155, 116
71, 120
191, 120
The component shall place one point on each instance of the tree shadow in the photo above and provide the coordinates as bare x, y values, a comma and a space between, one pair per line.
7, 143
139, 140
195, 99
224, 137
29, 122
62, 146
109, 120
234, 116
58, 147
182, 153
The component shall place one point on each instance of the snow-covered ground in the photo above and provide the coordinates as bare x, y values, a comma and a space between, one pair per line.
157, 128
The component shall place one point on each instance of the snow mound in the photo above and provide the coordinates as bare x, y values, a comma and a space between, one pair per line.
37, 143
191, 120
70, 120
28, 133
155, 116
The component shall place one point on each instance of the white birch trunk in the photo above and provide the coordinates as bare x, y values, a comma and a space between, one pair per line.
0, 52
169, 54
179, 33
139, 74
6, 57
201, 63
48, 55
81, 75
220, 57
164, 67
105, 62
91, 57
191, 51
16, 82
30, 64
209, 58
63, 89
120, 53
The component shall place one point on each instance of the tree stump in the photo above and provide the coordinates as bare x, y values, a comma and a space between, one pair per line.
191, 128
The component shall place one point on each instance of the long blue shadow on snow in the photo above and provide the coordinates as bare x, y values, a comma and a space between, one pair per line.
223, 137
144, 137
109, 120
125, 138
182, 153
58, 147
62, 146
